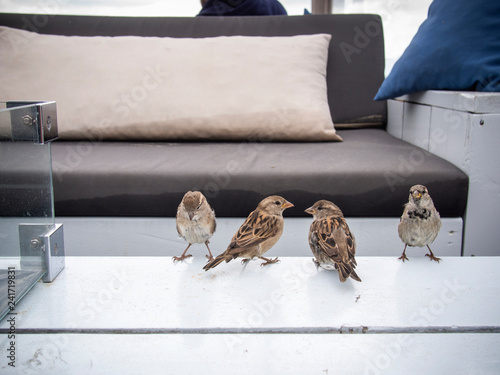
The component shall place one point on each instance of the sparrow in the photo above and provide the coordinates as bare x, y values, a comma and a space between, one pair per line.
260, 232
331, 240
420, 222
195, 221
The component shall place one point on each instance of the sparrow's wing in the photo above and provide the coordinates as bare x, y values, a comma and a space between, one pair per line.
334, 238
177, 220
349, 240
323, 239
258, 227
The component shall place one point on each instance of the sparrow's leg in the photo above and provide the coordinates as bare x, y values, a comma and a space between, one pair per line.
431, 255
183, 256
211, 257
403, 256
269, 261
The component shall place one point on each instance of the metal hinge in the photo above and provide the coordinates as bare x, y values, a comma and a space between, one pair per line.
42, 247
33, 121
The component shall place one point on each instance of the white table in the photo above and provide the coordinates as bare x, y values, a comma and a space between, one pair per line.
134, 315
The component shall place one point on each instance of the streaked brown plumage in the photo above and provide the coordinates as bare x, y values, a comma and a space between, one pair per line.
331, 240
195, 222
260, 232
420, 222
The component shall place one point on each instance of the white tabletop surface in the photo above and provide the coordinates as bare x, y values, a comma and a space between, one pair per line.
144, 314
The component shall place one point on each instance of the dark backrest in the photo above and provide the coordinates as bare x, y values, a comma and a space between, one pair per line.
355, 62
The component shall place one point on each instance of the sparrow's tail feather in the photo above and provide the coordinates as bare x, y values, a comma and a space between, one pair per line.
346, 270
343, 271
355, 276
218, 260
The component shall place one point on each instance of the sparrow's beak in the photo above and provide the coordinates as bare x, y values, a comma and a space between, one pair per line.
191, 215
310, 210
417, 195
286, 205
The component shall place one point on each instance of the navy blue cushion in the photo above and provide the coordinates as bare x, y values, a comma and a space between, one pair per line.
243, 8
456, 48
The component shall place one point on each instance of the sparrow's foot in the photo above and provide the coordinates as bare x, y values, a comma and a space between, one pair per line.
209, 257
433, 257
269, 261
403, 257
245, 260
181, 258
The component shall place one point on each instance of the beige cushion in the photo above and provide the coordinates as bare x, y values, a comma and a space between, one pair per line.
150, 88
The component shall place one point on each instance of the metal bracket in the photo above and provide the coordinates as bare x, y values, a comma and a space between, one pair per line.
42, 246
33, 121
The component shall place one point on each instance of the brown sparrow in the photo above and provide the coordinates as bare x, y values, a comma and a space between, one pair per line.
420, 222
195, 221
260, 232
331, 240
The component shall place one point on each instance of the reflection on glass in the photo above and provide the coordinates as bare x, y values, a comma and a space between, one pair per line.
26, 201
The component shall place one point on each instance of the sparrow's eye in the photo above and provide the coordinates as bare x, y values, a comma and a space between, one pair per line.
197, 208
320, 208
277, 203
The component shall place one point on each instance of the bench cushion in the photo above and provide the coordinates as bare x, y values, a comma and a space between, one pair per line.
223, 88
367, 175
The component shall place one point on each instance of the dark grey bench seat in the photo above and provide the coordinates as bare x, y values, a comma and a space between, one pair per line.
367, 175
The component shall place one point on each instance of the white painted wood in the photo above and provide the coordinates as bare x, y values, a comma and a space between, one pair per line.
255, 354
158, 237
146, 315
449, 136
154, 294
395, 118
476, 102
416, 124
482, 236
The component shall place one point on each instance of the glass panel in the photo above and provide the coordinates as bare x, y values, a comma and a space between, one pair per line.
26, 200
